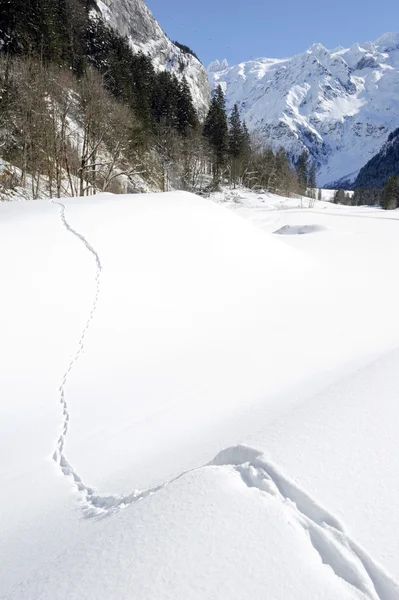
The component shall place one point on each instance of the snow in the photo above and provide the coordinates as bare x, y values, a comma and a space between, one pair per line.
340, 104
299, 229
141, 336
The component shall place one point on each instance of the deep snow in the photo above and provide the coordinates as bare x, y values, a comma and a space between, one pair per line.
175, 329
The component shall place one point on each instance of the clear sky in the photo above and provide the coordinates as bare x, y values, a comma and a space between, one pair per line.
243, 29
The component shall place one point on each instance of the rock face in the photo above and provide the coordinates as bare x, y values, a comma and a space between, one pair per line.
132, 18
339, 104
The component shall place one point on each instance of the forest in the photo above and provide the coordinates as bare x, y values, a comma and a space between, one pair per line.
80, 112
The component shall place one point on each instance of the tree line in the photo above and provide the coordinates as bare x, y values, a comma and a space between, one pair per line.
78, 136
80, 109
387, 197
239, 158
377, 182
82, 112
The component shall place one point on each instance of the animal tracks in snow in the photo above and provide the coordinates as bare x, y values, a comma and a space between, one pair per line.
93, 504
323, 530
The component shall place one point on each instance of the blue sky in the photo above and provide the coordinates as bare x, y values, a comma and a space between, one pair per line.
245, 29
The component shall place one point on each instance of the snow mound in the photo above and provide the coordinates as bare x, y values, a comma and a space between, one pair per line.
300, 229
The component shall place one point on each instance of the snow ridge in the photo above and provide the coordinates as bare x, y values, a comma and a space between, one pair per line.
327, 535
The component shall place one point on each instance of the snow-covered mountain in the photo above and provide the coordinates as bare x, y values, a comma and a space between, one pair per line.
341, 104
132, 18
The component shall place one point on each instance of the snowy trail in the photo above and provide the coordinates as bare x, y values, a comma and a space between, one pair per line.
327, 535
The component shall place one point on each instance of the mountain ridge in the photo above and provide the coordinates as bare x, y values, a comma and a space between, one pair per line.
339, 105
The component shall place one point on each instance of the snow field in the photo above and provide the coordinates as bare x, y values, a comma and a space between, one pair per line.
174, 329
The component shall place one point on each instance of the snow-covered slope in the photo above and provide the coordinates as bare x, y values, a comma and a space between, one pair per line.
341, 104
141, 335
132, 18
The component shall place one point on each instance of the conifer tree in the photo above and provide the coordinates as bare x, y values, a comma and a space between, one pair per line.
246, 136
236, 142
236, 133
339, 197
302, 173
390, 194
216, 131
164, 99
185, 111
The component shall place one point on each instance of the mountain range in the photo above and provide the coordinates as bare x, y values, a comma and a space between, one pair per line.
340, 105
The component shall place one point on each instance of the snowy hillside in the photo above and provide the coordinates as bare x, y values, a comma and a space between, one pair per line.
382, 166
341, 104
132, 18
192, 407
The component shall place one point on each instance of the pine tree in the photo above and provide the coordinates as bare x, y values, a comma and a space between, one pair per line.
186, 114
302, 173
216, 131
367, 197
236, 142
51, 30
164, 99
236, 133
390, 194
339, 197
320, 195
246, 138
357, 197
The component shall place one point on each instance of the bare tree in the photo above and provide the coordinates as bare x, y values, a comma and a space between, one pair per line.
92, 113
167, 148
62, 100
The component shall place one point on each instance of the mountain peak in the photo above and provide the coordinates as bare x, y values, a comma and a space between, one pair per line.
317, 49
216, 66
388, 41
133, 20
337, 105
